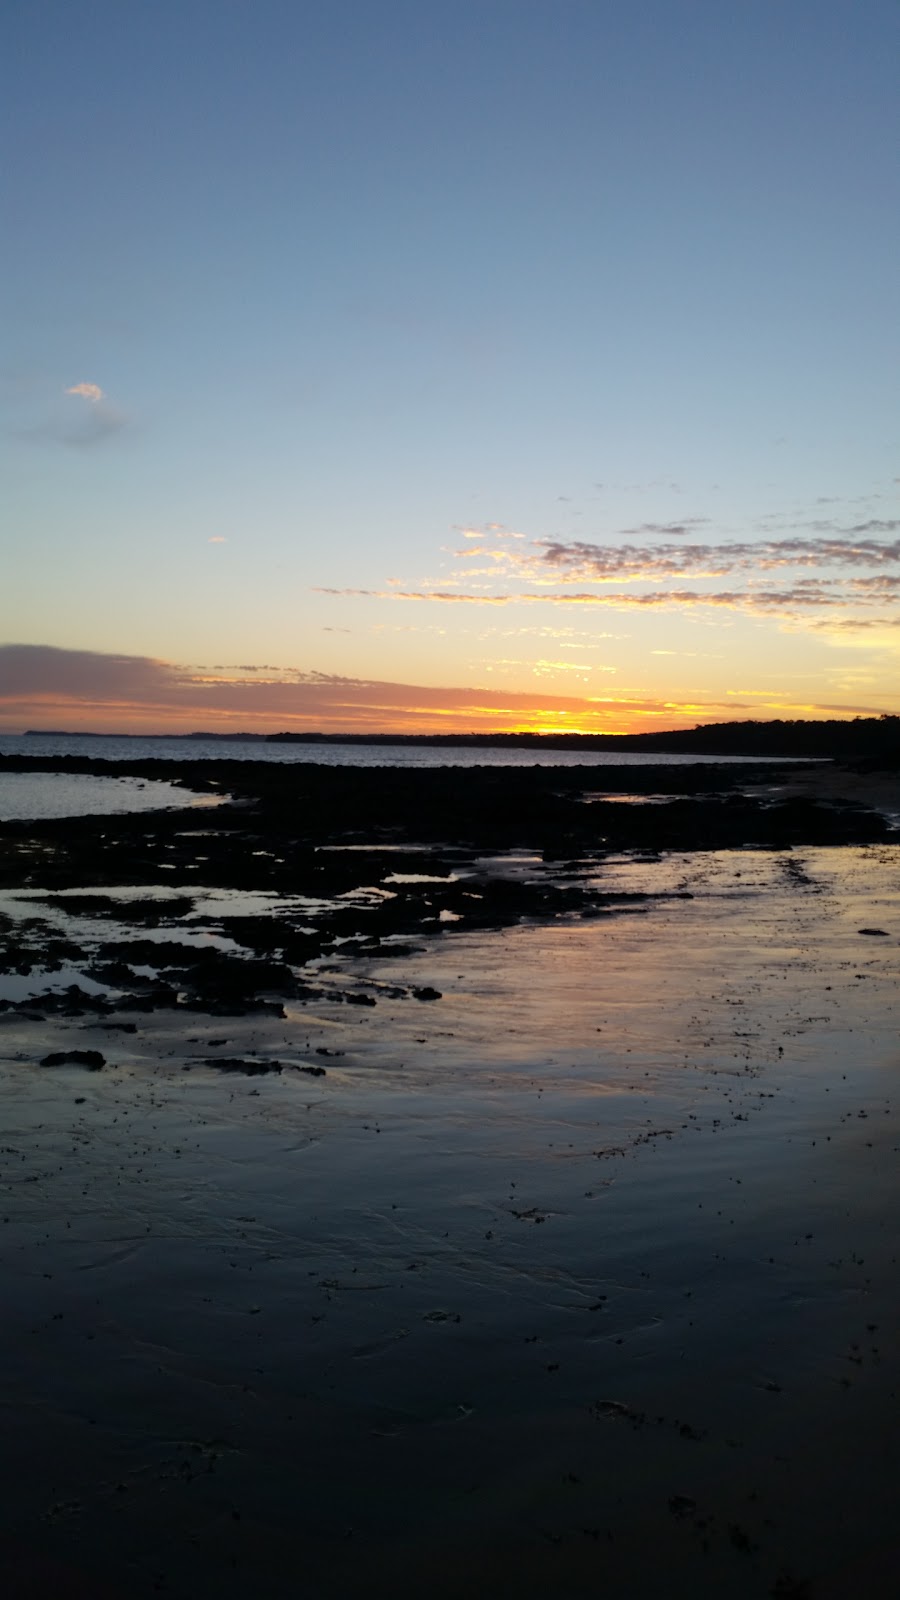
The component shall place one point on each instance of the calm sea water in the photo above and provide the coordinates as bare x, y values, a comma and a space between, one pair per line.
50, 794
345, 755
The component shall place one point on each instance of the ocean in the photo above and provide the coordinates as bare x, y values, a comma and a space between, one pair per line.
32, 796
26, 796
113, 748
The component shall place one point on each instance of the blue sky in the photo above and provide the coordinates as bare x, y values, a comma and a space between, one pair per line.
336, 287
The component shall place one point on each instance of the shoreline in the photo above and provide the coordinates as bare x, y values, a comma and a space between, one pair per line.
567, 1265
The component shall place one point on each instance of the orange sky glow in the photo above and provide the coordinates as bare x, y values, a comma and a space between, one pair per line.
82, 691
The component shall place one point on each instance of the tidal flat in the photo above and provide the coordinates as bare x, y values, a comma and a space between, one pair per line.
468, 1185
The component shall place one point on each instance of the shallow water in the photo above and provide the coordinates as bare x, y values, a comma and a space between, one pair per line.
577, 1281
39, 795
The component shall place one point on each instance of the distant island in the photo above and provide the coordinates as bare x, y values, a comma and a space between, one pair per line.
861, 738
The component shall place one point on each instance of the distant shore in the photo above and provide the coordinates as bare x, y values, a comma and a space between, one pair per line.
863, 738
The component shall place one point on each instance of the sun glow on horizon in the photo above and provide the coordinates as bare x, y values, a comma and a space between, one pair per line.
88, 691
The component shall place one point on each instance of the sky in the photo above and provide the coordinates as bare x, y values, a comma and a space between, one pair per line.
448, 364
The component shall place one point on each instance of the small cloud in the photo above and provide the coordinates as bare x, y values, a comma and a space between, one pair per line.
217, 538
88, 391
81, 426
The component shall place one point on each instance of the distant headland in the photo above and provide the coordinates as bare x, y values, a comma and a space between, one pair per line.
861, 738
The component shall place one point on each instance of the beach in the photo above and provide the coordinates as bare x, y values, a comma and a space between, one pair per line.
503, 1210
450, 802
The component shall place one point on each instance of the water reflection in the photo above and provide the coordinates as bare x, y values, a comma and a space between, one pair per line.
35, 796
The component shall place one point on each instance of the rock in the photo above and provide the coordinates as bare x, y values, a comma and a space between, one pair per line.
92, 1059
250, 1069
682, 1505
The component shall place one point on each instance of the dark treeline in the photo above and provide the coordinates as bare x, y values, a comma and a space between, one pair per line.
863, 738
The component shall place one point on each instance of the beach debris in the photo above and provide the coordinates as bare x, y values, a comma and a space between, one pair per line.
617, 1411
875, 933
92, 1059
427, 993
740, 1539
681, 1505
787, 1587
251, 1069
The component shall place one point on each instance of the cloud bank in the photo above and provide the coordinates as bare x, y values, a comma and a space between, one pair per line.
604, 562
81, 690
848, 573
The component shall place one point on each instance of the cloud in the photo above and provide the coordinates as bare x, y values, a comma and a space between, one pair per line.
88, 391
603, 562
497, 530
81, 689
102, 423
685, 526
90, 422
844, 566
807, 594
563, 638
874, 525
795, 579
583, 668
217, 538
693, 655
883, 584
853, 624
42, 686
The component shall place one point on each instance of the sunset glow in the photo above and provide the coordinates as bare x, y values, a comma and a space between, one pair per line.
396, 404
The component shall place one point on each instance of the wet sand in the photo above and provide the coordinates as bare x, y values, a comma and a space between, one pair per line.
576, 1275
879, 789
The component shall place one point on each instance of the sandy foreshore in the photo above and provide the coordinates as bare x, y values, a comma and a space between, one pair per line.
568, 1266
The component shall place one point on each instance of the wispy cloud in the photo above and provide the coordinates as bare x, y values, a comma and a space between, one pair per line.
494, 530
79, 417
541, 668
836, 625
837, 567
87, 391
604, 562
800, 596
